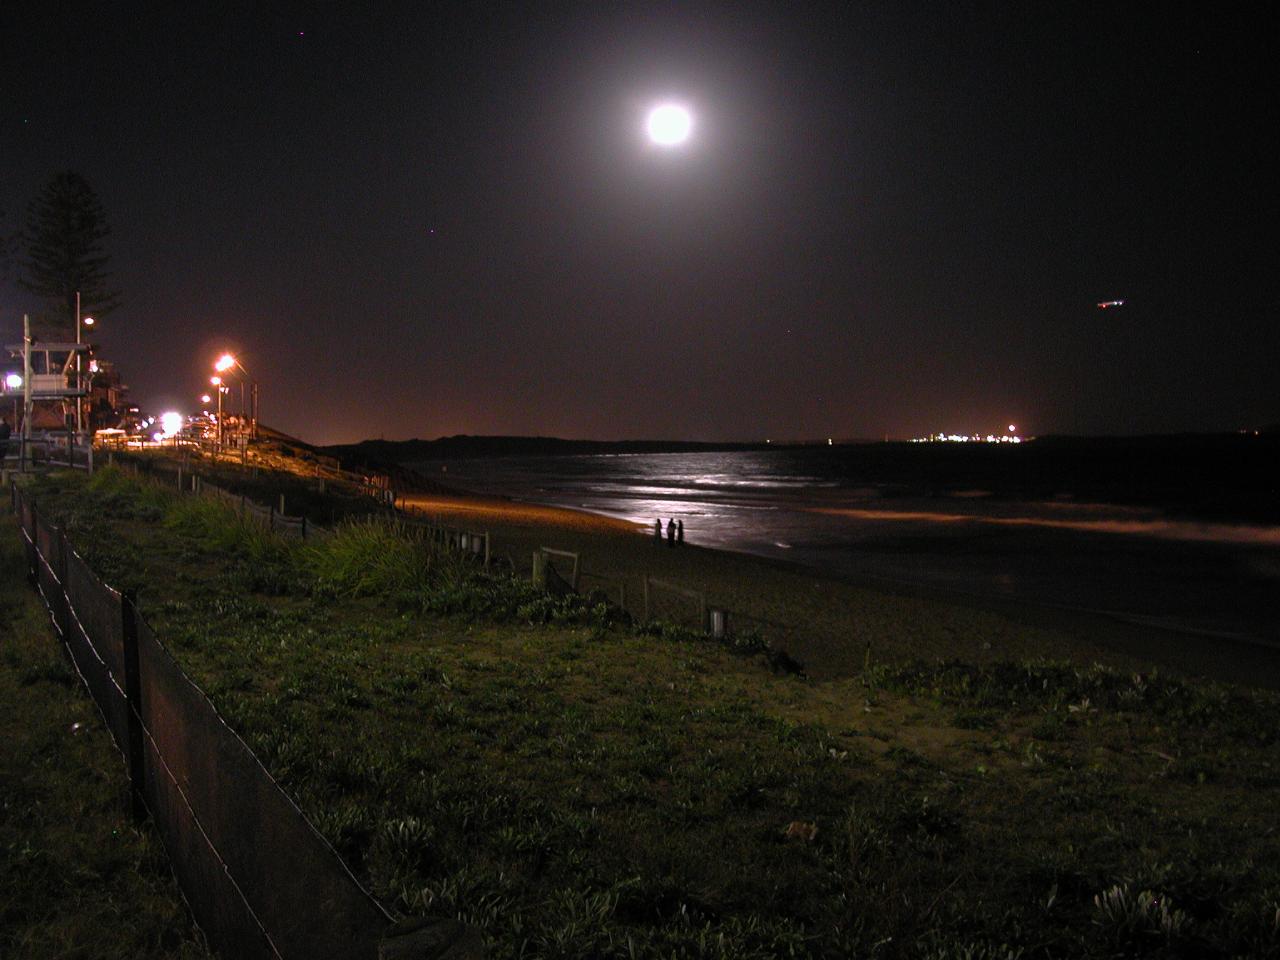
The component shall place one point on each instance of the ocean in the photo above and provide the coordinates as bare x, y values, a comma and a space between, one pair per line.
815, 507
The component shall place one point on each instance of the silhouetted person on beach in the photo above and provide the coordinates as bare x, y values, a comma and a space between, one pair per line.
680, 532
671, 533
657, 532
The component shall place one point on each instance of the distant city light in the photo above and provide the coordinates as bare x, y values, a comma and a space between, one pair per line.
216, 381
93, 366
225, 363
13, 381
205, 398
970, 437
171, 423
1013, 428
87, 321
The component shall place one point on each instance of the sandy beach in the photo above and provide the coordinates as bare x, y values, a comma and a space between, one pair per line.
830, 623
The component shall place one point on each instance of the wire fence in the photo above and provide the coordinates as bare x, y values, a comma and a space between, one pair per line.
260, 880
476, 545
267, 515
646, 598
472, 543
43, 450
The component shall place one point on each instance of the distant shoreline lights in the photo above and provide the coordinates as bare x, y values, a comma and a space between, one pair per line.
968, 438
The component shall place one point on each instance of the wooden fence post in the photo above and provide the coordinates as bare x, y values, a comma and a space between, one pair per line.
65, 602
136, 754
718, 626
33, 551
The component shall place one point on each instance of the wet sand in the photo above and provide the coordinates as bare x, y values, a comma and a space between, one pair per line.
834, 623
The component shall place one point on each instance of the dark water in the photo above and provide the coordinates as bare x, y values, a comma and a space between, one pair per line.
811, 508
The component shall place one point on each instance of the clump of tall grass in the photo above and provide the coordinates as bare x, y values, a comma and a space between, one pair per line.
1138, 920
379, 556
217, 526
111, 490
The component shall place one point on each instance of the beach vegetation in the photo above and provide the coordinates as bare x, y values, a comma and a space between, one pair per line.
580, 786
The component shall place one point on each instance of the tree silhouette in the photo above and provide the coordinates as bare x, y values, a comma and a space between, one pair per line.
62, 241
8, 243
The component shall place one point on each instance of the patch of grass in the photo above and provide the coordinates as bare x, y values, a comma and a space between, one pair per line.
580, 787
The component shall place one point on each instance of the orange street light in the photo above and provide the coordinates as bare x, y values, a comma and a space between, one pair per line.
229, 361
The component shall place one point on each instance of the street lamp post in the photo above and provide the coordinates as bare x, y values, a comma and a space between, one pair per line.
217, 383
13, 381
80, 322
229, 361
79, 403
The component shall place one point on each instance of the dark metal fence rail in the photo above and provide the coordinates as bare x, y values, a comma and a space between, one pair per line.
260, 880
328, 474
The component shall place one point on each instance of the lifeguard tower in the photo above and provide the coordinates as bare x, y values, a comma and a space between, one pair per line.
52, 386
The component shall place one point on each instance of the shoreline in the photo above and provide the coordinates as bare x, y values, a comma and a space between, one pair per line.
833, 622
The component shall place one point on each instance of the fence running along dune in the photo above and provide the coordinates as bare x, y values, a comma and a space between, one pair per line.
44, 450
645, 598
261, 882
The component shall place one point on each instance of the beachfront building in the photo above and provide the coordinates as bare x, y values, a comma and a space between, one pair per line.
108, 396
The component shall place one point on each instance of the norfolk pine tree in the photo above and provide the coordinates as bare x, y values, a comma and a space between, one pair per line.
62, 242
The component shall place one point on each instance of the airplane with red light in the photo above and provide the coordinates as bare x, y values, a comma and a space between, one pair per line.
1107, 304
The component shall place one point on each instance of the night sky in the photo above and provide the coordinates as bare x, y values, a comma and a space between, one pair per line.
890, 218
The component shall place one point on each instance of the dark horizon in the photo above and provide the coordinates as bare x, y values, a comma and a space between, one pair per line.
1269, 431
434, 221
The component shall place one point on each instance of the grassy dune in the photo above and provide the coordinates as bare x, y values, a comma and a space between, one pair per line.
580, 787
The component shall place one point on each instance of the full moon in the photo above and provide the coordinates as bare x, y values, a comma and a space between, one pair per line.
669, 124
